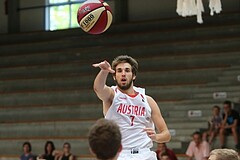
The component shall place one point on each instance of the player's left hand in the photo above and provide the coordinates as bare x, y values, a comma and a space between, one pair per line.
151, 133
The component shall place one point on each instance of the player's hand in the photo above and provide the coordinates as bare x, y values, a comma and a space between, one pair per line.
151, 133
104, 66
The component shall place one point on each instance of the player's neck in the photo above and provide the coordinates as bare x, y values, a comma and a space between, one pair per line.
129, 91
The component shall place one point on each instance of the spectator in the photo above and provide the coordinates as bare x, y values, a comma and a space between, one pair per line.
162, 148
165, 156
198, 148
27, 149
50, 151
214, 124
223, 154
230, 124
66, 155
105, 140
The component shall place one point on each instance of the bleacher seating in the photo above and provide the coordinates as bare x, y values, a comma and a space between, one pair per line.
46, 78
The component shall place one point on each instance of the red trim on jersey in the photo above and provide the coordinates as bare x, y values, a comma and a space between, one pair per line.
101, 24
134, 95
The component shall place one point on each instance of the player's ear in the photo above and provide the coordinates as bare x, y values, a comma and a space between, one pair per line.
134, 77
91, 151
119, 151
120, 148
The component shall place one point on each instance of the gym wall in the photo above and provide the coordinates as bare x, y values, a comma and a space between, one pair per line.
34, 19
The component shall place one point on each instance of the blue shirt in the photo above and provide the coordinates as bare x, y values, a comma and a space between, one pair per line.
234, 115
27, 157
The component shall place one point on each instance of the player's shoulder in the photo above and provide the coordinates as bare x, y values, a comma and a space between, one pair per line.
149, 98
139, 89
113, 89
152, 103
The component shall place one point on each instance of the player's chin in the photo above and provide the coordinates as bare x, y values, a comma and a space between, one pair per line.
122, 84
124, 87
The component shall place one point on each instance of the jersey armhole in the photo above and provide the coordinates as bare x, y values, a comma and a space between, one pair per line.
114, 88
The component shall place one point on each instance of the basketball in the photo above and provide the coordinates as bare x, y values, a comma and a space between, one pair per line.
94, 16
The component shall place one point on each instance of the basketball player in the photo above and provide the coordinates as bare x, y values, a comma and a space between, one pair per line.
223, 154
105, 140
133, 111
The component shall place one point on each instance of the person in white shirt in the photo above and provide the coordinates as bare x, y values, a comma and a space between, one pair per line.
198, 149
135, 113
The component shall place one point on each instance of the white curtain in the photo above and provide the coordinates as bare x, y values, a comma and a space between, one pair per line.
195, 8
215, 6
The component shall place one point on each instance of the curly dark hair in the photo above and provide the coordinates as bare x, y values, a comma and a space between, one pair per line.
125, 59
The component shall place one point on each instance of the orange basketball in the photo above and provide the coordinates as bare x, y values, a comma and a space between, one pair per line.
94, 16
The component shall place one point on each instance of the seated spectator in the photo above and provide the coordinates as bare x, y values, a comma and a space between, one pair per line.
162, 148
230, 124
27, 149
214, 124
105, 140
66, 154
223, 154
197, 148
49, 151
165, 156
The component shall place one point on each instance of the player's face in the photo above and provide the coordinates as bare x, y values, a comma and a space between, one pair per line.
124, 76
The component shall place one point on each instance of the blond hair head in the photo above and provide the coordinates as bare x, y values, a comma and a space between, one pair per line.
225, 154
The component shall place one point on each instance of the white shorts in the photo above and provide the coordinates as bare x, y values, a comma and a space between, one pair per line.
137, 154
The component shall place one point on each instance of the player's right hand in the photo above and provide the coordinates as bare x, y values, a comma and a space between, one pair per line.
104, 66
151, 133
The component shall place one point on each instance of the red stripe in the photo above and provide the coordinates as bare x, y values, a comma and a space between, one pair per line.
142, 96
134, 95
101, 24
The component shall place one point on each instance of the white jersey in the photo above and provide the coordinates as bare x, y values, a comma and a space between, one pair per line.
132, 114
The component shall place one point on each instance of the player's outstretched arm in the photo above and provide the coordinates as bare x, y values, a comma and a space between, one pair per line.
103, 91
164, 134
